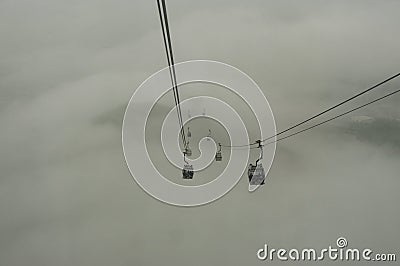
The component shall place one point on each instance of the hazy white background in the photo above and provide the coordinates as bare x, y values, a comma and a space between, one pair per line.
68, 69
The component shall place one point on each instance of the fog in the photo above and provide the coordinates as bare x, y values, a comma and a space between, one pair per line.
69, 68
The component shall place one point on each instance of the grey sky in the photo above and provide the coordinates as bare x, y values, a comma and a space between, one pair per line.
68, 69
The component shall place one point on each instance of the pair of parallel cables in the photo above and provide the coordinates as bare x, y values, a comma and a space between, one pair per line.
264, 141
162, 11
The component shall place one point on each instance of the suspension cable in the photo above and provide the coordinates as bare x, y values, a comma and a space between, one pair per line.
333, 118
162, 11
319, 114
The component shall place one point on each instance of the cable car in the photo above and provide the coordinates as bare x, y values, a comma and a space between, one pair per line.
187, 171
256, 172
218, 155
258, 175
189, 134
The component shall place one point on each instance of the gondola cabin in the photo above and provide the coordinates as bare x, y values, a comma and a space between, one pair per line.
257, 175
218, 156
187, 171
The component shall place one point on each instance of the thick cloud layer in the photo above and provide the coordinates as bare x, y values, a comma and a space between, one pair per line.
68, 69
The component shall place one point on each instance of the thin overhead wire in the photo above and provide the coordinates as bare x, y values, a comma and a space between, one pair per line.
318, 114
162, 11
238, 146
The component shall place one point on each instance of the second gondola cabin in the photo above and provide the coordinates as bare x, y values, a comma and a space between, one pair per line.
187, 171
218, 156
188, 152
256, 174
